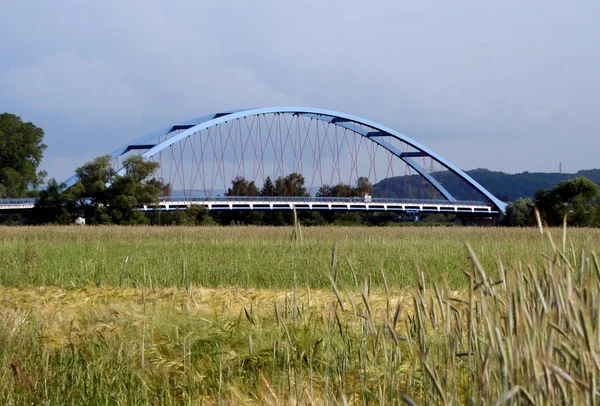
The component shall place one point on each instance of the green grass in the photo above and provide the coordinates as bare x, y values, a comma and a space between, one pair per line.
254, 257
462, 330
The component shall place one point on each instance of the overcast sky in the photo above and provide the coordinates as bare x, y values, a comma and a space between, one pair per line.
506, 85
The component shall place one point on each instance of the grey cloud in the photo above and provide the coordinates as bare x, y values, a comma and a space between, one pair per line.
492, 85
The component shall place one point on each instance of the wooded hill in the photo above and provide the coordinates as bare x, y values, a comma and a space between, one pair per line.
507, 187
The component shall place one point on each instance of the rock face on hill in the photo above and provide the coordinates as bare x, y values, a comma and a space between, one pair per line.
505, 186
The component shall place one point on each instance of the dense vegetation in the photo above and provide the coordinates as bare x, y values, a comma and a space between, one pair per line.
101, 195
102, 201
576, 201
21, 152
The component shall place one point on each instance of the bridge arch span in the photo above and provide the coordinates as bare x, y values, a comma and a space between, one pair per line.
396, 144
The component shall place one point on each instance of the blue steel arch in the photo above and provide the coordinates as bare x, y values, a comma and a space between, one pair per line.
344, 120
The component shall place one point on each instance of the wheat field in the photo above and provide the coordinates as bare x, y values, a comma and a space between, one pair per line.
345, 315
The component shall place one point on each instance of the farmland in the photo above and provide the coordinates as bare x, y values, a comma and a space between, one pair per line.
258, 257
208, 315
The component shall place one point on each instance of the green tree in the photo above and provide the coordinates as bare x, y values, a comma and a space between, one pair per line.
21, 151
130, 191
520, 213
363, 186
100, 195
54, 205
241, 187
93, 180
291, 185
577, 198
342, 190
325, 191
268, 188
164, 189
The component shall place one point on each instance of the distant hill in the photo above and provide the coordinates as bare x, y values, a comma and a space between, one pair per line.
505, 186
511, 187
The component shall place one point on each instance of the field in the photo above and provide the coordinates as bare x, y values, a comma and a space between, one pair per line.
230, 315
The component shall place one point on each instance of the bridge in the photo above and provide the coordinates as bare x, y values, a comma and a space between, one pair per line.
305, 158
298, 203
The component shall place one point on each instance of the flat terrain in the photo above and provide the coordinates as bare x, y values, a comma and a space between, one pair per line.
261, 257
245, 315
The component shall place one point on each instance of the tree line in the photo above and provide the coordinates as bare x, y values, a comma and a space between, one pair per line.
576, 199
103, 196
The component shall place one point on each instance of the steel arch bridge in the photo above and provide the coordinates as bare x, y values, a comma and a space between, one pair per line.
346, 162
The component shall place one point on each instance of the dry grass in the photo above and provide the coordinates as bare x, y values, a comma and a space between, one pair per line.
64, 312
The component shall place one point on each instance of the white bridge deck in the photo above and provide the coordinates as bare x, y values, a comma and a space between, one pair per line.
300, 203
17, 204
351, 204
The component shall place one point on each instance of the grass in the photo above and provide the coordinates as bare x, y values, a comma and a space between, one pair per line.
255, 257
466, 328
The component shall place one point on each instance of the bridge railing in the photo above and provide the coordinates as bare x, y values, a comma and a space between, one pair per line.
301, 199
16, 202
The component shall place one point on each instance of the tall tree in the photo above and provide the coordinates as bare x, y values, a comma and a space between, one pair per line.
241, 187
100, 195
343, 190
21, 152
291, 185
520, 213
577, 198
132, 190
268, 188
55, 204
325, 191
164, 189
94, 177
363, 186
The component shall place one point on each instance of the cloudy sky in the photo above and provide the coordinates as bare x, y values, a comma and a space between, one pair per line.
507, 85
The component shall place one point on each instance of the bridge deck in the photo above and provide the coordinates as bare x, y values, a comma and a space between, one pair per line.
313, 203
300, 203
16, 204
